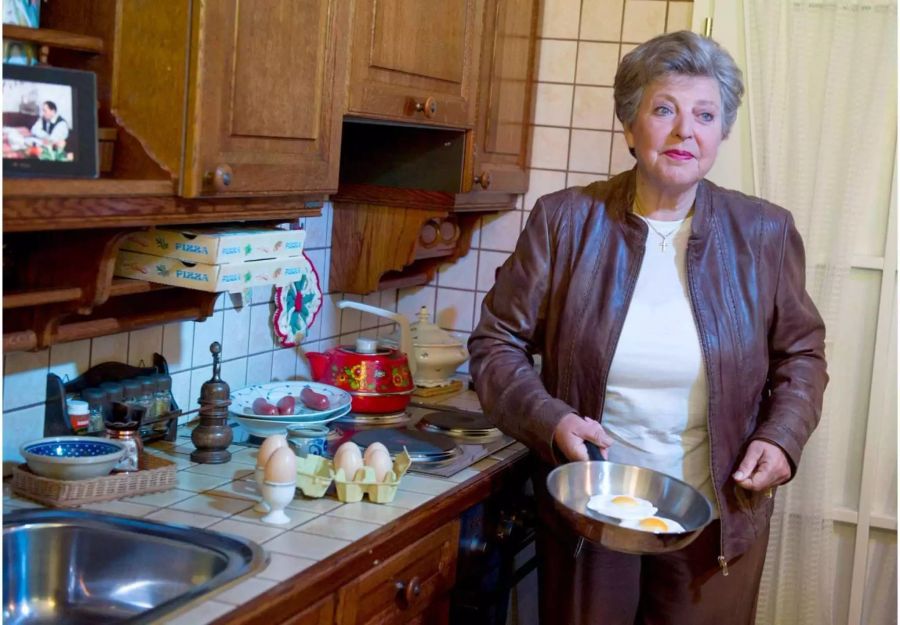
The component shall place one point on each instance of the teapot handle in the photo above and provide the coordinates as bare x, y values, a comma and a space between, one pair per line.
399, 319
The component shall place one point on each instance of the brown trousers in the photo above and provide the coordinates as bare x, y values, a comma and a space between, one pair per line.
685, 587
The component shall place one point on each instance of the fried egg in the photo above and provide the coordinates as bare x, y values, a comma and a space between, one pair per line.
655, 524
622, 506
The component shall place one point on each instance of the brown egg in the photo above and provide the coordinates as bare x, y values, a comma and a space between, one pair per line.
349, 458
268, 447
380, 461
282, 466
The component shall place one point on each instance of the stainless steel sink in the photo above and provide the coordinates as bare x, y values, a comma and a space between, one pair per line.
79, 568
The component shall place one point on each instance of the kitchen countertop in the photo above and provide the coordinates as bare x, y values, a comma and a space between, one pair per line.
221, 497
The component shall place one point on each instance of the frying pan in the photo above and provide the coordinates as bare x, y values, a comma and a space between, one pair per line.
572, 485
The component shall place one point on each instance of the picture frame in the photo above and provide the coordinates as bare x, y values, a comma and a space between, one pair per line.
49, 122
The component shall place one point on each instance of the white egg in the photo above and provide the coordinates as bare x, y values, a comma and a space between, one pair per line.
380, 461
655, 524
349, 458
268, 447
622, 506
282, 466
374, 448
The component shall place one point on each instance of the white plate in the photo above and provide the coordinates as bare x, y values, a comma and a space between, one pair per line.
242, 399
268, 427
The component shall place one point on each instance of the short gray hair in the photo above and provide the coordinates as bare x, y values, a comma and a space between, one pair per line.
680, 53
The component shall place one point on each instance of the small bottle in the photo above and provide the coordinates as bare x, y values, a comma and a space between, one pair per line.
145, 398
115, 392
131, 391
162, 399
79, 415
96, 399
124, 427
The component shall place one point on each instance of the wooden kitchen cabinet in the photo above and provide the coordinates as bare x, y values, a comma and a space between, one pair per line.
236, 98
320, 613
410, 586
414, 61
506, 93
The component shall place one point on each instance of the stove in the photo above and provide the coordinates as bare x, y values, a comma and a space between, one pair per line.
440, 440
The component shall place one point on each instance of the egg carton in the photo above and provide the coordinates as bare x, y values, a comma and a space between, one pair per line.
315, 474
364, 483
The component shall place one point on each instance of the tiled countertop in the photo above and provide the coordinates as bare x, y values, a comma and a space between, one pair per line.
221, 498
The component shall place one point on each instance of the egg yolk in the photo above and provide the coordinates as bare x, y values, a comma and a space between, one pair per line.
653, 523
624, 500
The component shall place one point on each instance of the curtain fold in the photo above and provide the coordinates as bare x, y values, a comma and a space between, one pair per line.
822, 85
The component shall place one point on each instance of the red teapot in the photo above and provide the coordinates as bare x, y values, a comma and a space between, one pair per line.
379, 379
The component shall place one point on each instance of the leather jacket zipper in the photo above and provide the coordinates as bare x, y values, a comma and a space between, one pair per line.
723, 563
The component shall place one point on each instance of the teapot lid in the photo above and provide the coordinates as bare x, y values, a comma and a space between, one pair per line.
427, 334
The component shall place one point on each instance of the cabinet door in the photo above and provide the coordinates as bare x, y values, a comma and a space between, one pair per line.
413, 582
415, 61
265, 97
320, 613
505, 97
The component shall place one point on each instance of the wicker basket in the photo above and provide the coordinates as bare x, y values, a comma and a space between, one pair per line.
158, 475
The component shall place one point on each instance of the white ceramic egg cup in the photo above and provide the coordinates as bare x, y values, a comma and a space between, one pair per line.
259, 474
277, 495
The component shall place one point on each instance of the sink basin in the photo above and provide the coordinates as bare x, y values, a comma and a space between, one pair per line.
76, 567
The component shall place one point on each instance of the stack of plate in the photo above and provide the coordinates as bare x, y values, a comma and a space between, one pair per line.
241, 408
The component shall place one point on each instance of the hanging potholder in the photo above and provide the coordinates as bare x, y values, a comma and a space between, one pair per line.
296, 306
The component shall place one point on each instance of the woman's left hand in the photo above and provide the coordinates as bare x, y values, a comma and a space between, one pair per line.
764, 465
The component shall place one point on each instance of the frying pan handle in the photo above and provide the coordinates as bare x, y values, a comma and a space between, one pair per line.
594, 451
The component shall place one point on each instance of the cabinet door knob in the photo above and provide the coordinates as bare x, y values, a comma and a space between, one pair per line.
428, 107
484, 179
410, 590
221, 177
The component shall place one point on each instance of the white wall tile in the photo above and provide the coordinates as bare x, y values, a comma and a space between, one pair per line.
488, 262
198, 378
621, 159
680, 16
20, 426
461, 274
556, 60
644, 19
412, 299
316, 232
178, 345
304, 372
284, 364
181, 390
25, 378
500, 231
259, 368
389, 300
70, 359
541, 182
455, 309
261, 294
112, 348
594, 108
479, 299
553, 105
142, 344
590, 151
597, 63
205, 333
329, 317
234, 372
236, 332
575, 179
549, 147
560, 18
261, 336
351, 319
601, 20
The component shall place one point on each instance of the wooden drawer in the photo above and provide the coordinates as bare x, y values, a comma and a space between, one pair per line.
405, 585
319, 613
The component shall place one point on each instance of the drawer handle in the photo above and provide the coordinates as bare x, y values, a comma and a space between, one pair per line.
221, 177
484, 179
428, 107
410, 590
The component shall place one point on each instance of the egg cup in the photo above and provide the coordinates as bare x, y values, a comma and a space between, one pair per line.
277, 495
259, 475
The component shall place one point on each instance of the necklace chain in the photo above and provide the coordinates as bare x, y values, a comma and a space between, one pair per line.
663, 238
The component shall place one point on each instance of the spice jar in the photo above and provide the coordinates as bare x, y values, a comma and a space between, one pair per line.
115, 392
79, 415
131, 391
162, 399
146, 396
96, 399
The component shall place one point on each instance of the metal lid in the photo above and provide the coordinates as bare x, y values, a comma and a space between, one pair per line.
421, 446
163, 381
460, 424
132, 387
93, 394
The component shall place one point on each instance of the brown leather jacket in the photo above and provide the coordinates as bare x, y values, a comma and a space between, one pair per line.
564, 293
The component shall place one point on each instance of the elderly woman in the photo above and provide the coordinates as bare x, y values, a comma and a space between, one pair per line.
675, 333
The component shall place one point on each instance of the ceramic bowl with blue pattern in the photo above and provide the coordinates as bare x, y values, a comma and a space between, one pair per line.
72, 457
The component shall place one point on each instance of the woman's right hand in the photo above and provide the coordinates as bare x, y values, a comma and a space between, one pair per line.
572, 431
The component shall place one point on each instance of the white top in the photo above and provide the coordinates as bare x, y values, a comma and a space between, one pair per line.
656, 394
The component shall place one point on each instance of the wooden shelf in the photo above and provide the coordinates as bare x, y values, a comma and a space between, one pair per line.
119, 286
99, 187
54, 38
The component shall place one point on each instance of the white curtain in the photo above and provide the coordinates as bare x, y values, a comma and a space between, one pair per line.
821, 87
